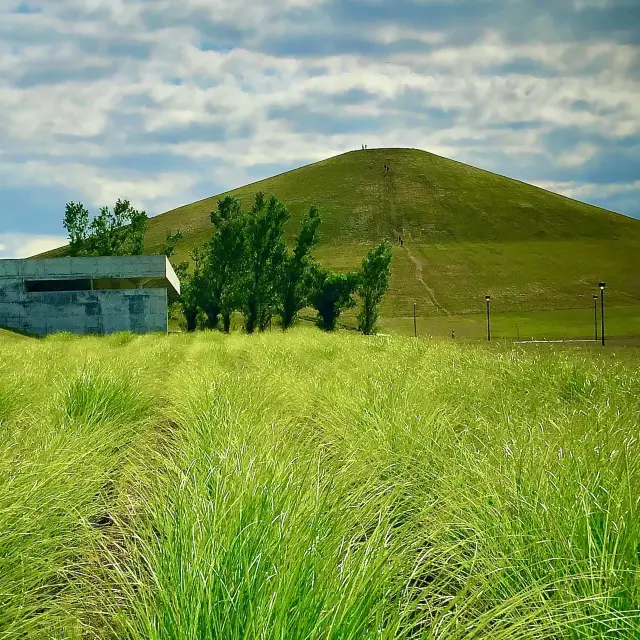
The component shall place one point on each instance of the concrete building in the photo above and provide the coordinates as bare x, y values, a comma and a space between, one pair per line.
86, 295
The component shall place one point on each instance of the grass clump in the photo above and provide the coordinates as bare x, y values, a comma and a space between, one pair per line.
94, 397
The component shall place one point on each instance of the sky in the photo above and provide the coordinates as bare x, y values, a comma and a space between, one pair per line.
165, 102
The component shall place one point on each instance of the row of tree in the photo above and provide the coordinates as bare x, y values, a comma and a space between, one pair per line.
246, 267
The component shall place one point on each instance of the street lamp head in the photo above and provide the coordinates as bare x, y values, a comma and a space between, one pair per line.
601, 284
487, 298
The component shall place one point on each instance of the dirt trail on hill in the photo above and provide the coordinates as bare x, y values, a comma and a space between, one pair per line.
430, 292
389, 190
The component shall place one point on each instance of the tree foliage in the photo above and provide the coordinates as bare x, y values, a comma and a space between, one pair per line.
297, 273
372, 285
192, 285
169, 245
333, 293
116, 232
265, 258
225, 263
76, 222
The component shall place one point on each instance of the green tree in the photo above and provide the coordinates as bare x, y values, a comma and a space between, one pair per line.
119, 232
372, 285
225, 270
297, 272
222, 271
209, 291
333, 293
265, 257
169, 245
191, 288
111, 233
76, 222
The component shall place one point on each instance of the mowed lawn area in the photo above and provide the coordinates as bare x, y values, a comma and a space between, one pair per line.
453, 279
305, 485
622, 325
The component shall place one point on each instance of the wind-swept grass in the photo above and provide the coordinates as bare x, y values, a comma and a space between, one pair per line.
304, 485
67, 426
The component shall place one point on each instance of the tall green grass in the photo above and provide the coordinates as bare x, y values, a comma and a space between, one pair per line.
304, 485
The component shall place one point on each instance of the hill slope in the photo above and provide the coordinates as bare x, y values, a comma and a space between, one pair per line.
466, 232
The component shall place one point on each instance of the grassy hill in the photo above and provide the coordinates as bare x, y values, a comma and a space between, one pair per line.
467, 232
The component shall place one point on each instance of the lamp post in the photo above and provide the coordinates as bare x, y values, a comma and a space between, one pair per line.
415, 325
595, 317
602, 285
488, 299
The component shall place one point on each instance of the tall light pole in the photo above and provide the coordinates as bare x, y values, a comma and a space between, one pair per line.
602, 285
415, 325
595, 317
488, 299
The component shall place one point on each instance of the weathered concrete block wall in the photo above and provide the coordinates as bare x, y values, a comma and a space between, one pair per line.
83, 312
58, 294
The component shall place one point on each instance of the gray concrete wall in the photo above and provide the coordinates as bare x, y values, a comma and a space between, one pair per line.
140, 310
137, 310
125, 267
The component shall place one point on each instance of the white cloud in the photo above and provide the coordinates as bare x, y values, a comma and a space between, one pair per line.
98, 187
581, 5
577, 156
71, 132
22, 245
392, 33
588, 190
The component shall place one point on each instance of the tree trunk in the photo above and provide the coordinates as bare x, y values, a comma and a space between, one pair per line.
212, 313
226, 321
191, 317
251, 316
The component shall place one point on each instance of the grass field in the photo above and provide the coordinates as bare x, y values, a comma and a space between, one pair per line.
467, 233
620, 322
306, 485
